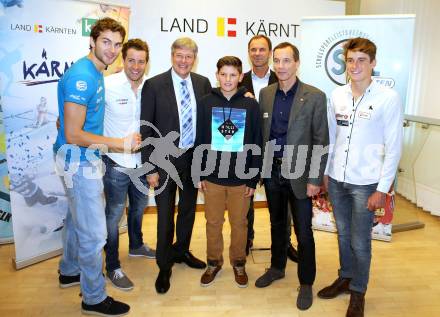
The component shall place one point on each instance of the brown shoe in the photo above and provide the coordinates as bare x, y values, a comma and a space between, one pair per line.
356, 306
340, 286
209, 276
241, 277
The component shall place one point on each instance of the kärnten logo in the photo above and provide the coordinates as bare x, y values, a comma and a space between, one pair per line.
38, 28
43, 71
228, 27
41, 28
225, 27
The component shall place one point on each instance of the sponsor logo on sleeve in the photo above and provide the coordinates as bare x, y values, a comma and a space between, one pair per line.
81, 85
76, 97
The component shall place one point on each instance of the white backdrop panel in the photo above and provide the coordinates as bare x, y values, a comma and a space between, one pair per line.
162, 23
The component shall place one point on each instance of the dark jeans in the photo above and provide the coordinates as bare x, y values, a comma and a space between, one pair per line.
166, 250
117, 185
354, 223
279, 194
251, 218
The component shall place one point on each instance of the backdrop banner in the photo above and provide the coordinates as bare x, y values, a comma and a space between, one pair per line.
6, 235
323, 65
36, 48
219, 29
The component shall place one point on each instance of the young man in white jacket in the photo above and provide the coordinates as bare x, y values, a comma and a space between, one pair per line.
366, 129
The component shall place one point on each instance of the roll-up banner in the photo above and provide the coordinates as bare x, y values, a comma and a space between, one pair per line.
323, 66
6, 235
36, 47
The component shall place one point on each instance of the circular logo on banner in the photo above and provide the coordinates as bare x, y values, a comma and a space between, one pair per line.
335, 63
330, 54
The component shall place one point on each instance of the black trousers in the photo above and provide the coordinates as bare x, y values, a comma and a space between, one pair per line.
166, 251
279, 194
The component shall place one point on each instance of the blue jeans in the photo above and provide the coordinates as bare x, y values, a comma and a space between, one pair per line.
354, 223
84, 234
116, 187
279, 194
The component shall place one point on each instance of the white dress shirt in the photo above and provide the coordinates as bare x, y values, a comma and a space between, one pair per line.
259, 83
177, 88
122, 115
366, 135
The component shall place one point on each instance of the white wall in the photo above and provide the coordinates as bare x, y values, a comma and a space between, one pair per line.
153, 21
423, 97
420, 178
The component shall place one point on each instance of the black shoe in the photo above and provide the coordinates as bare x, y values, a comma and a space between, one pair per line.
339, 286
305, 297
249, 245
108, 307
292, 254
68, 281
356, 306
190, 260
163, 281
271, 275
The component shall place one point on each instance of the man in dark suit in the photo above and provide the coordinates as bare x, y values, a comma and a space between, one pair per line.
294, 117
169, 102
260, 76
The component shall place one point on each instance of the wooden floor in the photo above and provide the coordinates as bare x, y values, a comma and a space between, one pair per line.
405, 279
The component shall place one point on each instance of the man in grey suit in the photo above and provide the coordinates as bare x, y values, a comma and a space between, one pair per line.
260, 76
169, 102
294, 119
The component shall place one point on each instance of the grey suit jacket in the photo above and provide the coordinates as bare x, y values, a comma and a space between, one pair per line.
307, 132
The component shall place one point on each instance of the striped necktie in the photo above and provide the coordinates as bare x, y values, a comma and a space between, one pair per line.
187, 135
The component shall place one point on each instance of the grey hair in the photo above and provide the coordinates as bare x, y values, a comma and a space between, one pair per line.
184, 42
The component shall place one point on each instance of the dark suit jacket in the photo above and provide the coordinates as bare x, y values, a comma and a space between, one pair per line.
307, 129
247, 80
159, 106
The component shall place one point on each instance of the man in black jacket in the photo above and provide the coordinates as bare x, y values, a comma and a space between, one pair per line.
260, 76
169, 103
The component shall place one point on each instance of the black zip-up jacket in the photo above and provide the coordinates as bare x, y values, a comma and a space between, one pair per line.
233, 109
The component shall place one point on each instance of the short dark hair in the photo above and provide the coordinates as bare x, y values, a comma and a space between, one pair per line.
230, 61
260, 36
105, 24
293, 47
360, 44
138, 45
